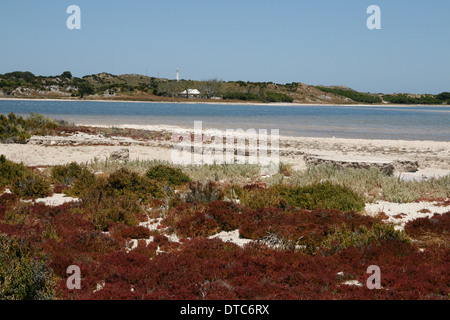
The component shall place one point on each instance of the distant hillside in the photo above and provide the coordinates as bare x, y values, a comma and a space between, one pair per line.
137, 87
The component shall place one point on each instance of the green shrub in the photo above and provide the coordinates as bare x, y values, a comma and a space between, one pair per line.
39, 122
324, 196
67, 174
107, 210
277, 97
166, 174
127, 183
320, 195
31, 185
406, 99
342, 237
13, 129
22, 276
119, 198
9, 171
259, 198
18, 129
243, 96
84, 181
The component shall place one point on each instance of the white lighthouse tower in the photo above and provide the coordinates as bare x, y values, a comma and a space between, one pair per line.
178, 75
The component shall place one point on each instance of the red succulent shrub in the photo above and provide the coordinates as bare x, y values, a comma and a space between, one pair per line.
134, 232
145, 249
429, 231
203, 220
254, 186
8, 198
198, 268
312, 226
438, 224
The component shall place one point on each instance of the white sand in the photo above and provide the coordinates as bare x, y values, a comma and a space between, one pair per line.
410, 211
56, 199
232, 236
433, 156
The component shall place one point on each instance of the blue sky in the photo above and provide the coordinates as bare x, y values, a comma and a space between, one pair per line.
315, 42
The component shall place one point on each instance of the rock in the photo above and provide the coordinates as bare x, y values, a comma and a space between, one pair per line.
121, 155
406, 166
387, 167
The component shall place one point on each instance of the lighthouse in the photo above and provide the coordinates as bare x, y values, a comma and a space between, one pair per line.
178, 75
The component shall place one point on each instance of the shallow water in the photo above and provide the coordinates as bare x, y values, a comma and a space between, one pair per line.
365, 122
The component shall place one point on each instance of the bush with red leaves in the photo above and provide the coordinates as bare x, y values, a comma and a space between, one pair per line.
212, 269
311, 226
255, 186
437, 224
8, 198
133, 232
203, 220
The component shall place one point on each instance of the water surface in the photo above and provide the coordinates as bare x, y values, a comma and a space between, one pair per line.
365, 122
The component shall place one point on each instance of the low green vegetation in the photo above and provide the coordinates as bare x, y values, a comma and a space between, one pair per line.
342, 237
18, 129
272, 96
31, 185
269, 96
372, 184
375, 185
320, 195
81, 184
444, 97
9, 171
351, 94
67, 174
166, 174
22, 275
126, 183
407, 99
324, 195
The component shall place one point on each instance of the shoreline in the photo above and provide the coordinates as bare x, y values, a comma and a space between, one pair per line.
221, 102
172, 128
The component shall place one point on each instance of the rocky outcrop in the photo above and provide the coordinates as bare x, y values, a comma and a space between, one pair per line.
388, 167
121, 155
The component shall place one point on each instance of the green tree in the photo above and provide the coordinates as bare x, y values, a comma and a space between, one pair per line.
443, 96
85, 88
66, 75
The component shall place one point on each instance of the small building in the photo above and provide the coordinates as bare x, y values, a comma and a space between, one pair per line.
190, 93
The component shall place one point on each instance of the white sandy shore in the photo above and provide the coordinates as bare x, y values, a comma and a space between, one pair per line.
433, 157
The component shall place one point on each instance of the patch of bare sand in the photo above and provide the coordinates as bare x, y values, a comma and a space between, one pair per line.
401, 213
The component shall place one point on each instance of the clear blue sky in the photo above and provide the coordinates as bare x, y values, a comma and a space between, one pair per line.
315, 42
